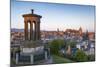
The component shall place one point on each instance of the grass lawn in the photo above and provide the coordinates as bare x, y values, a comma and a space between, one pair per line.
58, 59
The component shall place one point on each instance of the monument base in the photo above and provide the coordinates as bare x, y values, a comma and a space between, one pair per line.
32, 52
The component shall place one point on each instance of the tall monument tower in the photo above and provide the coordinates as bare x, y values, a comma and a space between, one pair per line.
32, 19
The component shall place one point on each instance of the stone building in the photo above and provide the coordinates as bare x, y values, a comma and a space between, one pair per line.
73, 32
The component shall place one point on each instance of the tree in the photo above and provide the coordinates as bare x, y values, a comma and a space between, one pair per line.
72, 44
80, 56
55, 46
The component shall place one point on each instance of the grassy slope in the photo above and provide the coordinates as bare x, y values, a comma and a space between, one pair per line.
58, 59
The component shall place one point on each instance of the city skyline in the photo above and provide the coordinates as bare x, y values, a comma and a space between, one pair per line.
62, 16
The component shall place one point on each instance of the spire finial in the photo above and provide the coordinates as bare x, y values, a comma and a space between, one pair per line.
32, 11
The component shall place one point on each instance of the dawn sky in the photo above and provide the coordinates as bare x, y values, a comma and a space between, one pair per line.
62, 16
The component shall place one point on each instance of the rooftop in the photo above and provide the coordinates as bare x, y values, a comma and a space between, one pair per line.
32, 14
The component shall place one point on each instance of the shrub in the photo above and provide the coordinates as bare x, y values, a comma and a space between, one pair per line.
80, 56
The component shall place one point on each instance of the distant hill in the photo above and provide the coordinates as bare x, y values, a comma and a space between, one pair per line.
17, 30
22, 30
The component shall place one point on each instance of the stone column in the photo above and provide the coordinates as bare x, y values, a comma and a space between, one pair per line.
31, 31
26, 30
16, 58
39, 31
36, 31
48, 52
46, 55
32, 58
